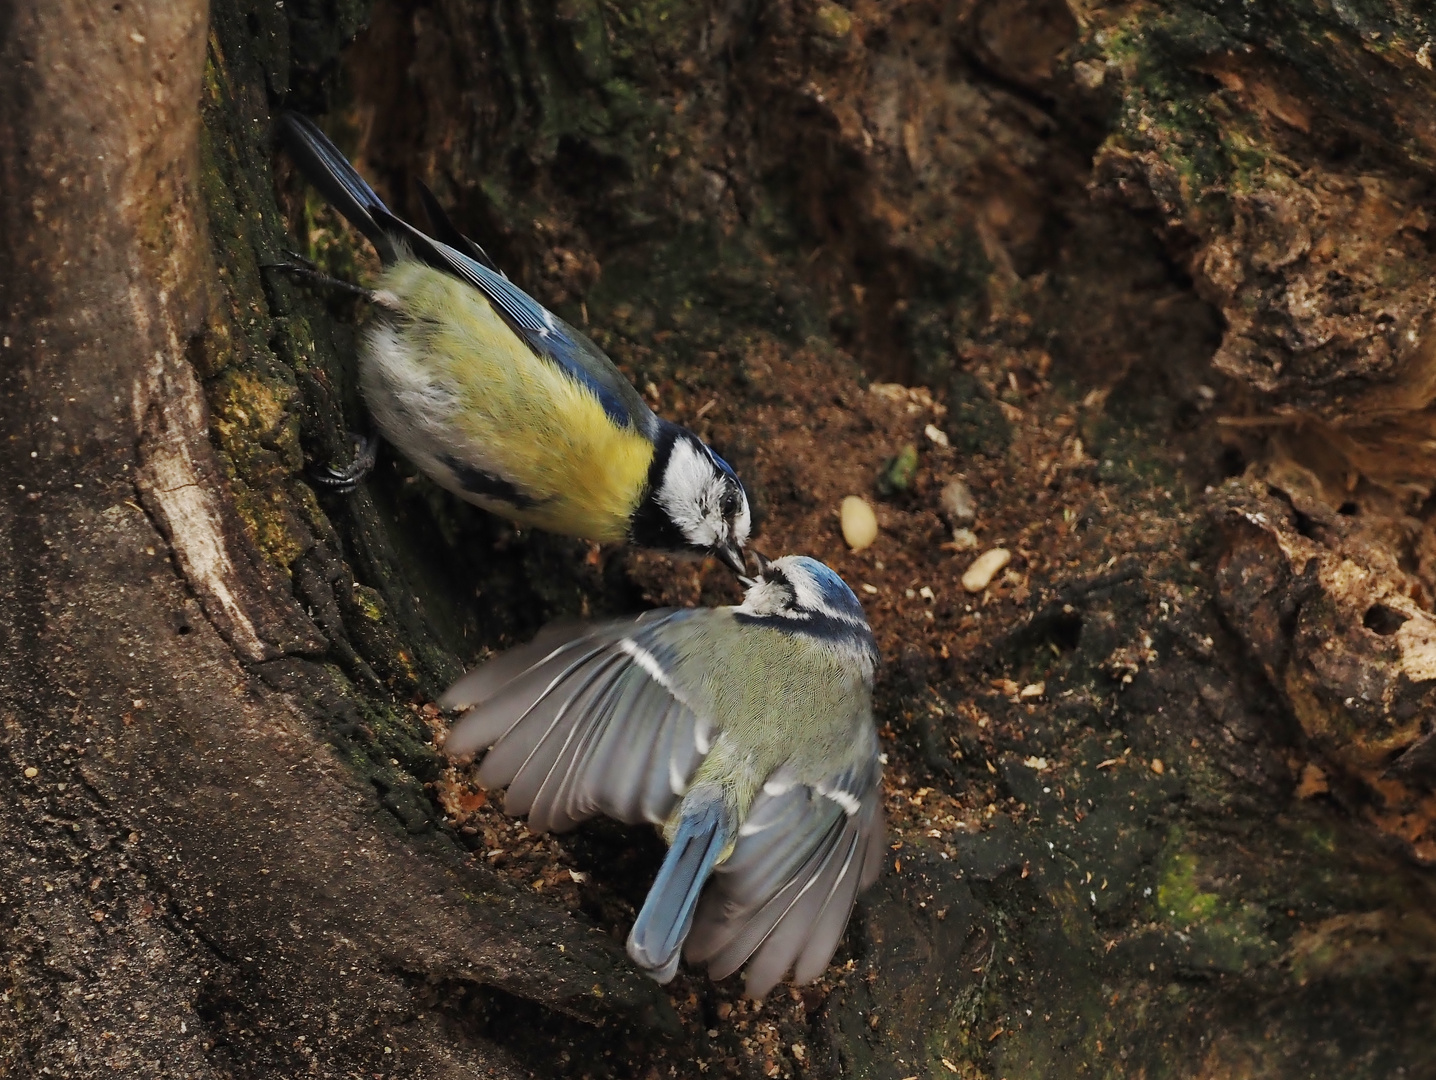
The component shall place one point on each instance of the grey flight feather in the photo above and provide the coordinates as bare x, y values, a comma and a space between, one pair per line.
577, 727
801, 920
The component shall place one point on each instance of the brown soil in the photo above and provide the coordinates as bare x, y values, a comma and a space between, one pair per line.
817, 431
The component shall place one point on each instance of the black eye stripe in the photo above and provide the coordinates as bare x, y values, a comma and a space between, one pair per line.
778, 577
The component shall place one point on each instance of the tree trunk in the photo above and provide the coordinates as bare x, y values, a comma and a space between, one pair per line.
197, 882
1157, 284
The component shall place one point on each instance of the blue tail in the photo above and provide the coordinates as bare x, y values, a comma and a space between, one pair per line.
658, 933
330, 171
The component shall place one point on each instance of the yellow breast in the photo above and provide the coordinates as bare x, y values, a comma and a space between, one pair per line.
515, 415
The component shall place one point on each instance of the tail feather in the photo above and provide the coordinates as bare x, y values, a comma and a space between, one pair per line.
657, 936
330, 171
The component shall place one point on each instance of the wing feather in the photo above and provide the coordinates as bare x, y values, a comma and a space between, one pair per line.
562, 803
623, 766
498, 715
670, 764
793, 927
569, 725
827, 929
873, 852
744, 936
582, 721
785, 895
540, 329
444, 229
765, 860
499, 673
628, 757
515, 679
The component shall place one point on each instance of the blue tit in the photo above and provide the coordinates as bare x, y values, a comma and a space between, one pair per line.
745, 733
506, 405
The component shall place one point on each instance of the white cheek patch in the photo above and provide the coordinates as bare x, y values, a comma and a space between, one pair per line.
690, 494
743, 523
766, 598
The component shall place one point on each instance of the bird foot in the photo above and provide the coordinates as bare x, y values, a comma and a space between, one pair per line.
300, 267
343, 481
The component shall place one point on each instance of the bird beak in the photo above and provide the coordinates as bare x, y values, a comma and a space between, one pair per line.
731, 557
762, 561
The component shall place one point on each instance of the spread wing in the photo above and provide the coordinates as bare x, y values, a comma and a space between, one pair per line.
782, 899
583, 721
595, 720
540, 329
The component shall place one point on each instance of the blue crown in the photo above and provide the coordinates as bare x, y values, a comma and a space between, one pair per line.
834, 589
723, 465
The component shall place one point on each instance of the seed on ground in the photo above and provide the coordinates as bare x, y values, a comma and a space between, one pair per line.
984, 568
860, 524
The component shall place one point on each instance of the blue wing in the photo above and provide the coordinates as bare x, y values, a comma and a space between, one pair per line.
444, 229
543, 331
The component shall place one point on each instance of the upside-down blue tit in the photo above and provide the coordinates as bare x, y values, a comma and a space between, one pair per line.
508, 406
745, 733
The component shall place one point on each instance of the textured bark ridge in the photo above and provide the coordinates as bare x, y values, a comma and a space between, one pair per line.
1156, 280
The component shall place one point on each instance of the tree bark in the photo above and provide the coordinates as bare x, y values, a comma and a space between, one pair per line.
196, 883
1160, 277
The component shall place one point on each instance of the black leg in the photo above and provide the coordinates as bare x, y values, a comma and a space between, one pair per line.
300, 267
292, 256
343, 481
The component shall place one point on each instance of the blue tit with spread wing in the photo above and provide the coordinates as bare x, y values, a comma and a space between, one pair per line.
506, 405
745, 733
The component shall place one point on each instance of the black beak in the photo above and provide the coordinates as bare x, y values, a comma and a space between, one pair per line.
731, 556
762, 561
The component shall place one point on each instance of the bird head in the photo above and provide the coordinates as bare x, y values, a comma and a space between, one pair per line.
797, 587
696, 503
802, 597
